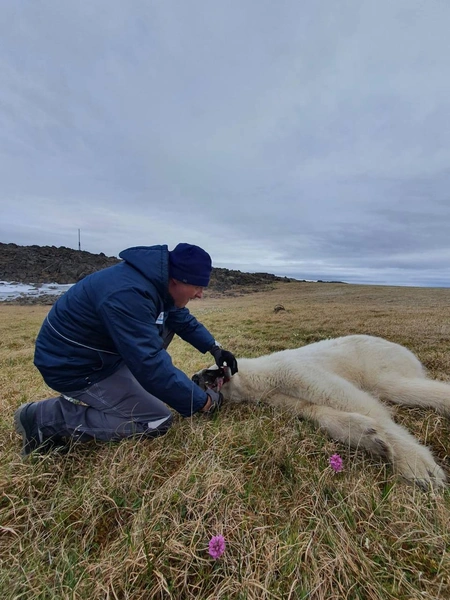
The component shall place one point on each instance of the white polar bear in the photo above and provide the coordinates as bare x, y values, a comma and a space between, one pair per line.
338, 384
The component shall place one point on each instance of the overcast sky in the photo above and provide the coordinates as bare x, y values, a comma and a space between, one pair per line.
307, 138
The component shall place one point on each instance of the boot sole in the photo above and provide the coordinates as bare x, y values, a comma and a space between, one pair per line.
20, 429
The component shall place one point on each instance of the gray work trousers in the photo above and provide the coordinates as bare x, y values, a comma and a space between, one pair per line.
115, 408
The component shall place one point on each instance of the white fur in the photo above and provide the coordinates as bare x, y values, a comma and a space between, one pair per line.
338, 384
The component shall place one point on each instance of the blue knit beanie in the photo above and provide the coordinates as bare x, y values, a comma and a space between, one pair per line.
190, 264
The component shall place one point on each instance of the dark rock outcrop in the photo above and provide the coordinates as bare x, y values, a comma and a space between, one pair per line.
49, 264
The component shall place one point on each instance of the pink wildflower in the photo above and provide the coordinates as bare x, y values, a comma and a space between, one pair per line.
336, 463
216, 546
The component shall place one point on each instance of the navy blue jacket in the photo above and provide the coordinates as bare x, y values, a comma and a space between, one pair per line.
117, 315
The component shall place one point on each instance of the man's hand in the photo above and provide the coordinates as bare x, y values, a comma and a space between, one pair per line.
214, 402
224, 357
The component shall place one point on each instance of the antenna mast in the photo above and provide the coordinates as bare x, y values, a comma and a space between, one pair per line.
79, 240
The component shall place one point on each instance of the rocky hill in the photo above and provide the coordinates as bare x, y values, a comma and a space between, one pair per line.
49, 264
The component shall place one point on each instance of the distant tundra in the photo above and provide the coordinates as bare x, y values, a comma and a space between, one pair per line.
339, 385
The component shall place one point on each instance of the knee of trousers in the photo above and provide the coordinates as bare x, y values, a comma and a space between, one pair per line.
160, 429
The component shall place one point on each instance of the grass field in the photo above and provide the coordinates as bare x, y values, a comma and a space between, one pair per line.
133, 520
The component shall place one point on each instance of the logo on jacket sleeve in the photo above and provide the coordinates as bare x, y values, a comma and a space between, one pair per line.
160, 319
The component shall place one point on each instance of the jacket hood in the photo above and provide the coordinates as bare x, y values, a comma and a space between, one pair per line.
152, 262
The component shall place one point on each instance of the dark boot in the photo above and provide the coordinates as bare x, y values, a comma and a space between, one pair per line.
26, 426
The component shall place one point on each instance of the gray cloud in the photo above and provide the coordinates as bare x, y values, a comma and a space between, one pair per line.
305, 139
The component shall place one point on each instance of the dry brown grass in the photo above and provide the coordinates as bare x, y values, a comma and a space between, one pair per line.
133, 520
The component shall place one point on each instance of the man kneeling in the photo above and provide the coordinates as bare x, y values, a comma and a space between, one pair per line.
103, 348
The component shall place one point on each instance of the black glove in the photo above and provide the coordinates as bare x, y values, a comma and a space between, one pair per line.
223, 356
216, 402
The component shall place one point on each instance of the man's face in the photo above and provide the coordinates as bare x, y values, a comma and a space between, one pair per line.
183, 292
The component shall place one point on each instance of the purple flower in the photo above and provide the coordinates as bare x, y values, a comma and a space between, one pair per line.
336, 463
216, 546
